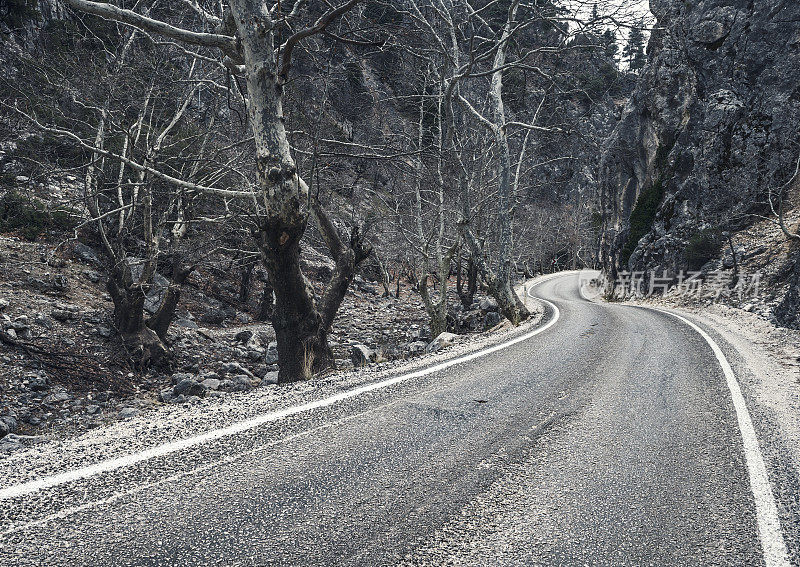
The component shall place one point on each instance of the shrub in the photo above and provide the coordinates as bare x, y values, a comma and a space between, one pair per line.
702, 247
31, 218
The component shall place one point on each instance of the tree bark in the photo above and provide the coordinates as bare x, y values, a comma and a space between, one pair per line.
143, 344
302, 327
302, 340
347, 259
162, 318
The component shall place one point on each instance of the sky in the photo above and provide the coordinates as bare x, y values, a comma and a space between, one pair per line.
619, 15
625, 12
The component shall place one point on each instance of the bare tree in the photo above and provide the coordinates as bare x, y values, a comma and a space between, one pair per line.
135, 121
249, 38
780, 197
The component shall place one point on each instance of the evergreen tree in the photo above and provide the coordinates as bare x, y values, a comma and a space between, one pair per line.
634, 50
609, 42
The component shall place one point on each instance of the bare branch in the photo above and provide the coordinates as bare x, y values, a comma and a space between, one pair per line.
319, 26
111, 12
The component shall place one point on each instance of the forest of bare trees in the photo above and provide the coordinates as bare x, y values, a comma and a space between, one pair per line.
447, 142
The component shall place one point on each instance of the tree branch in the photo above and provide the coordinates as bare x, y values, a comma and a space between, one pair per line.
112, 12
319, 26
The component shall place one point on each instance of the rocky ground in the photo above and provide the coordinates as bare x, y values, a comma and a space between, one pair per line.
70, 373
752, 272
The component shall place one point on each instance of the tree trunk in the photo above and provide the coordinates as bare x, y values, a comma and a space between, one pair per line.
437, 315
143, 344
467, 296
299, 332
511, 306
161, 319
301, 327
386, 279
347, 259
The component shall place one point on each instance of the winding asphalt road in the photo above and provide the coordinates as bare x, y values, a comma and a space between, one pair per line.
609, 438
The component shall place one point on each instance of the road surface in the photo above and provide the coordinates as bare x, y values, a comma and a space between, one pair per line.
610, 438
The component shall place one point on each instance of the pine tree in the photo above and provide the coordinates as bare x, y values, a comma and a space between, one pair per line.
609, 42
634, 50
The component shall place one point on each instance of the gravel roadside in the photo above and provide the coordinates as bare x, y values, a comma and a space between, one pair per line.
56, 453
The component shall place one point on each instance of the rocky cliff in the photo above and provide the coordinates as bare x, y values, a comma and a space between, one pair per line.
711, 126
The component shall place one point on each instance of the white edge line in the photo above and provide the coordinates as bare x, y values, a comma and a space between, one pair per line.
69, 511
769, 526
29, 487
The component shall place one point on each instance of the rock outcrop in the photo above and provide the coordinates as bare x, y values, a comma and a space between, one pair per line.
711, 127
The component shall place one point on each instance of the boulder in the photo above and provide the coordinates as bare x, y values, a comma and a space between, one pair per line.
10, 423
86, 254
189, 387
158, 288
166, 395
242, 383
443, 340
361, 355
185, 323
491, 319
417, 347
244, 336
272, 353
213, 316
180, 376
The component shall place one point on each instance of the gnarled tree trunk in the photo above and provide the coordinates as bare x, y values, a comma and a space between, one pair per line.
143, 344
302, 340
143, 337
467, 295
301, 326
162, 318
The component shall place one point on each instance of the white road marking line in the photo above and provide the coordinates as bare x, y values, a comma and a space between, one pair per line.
769, 525
227, 459
26, 488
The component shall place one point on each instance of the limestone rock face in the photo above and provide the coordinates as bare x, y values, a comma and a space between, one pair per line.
711, 126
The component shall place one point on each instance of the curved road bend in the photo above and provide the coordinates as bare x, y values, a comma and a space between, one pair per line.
608, 439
